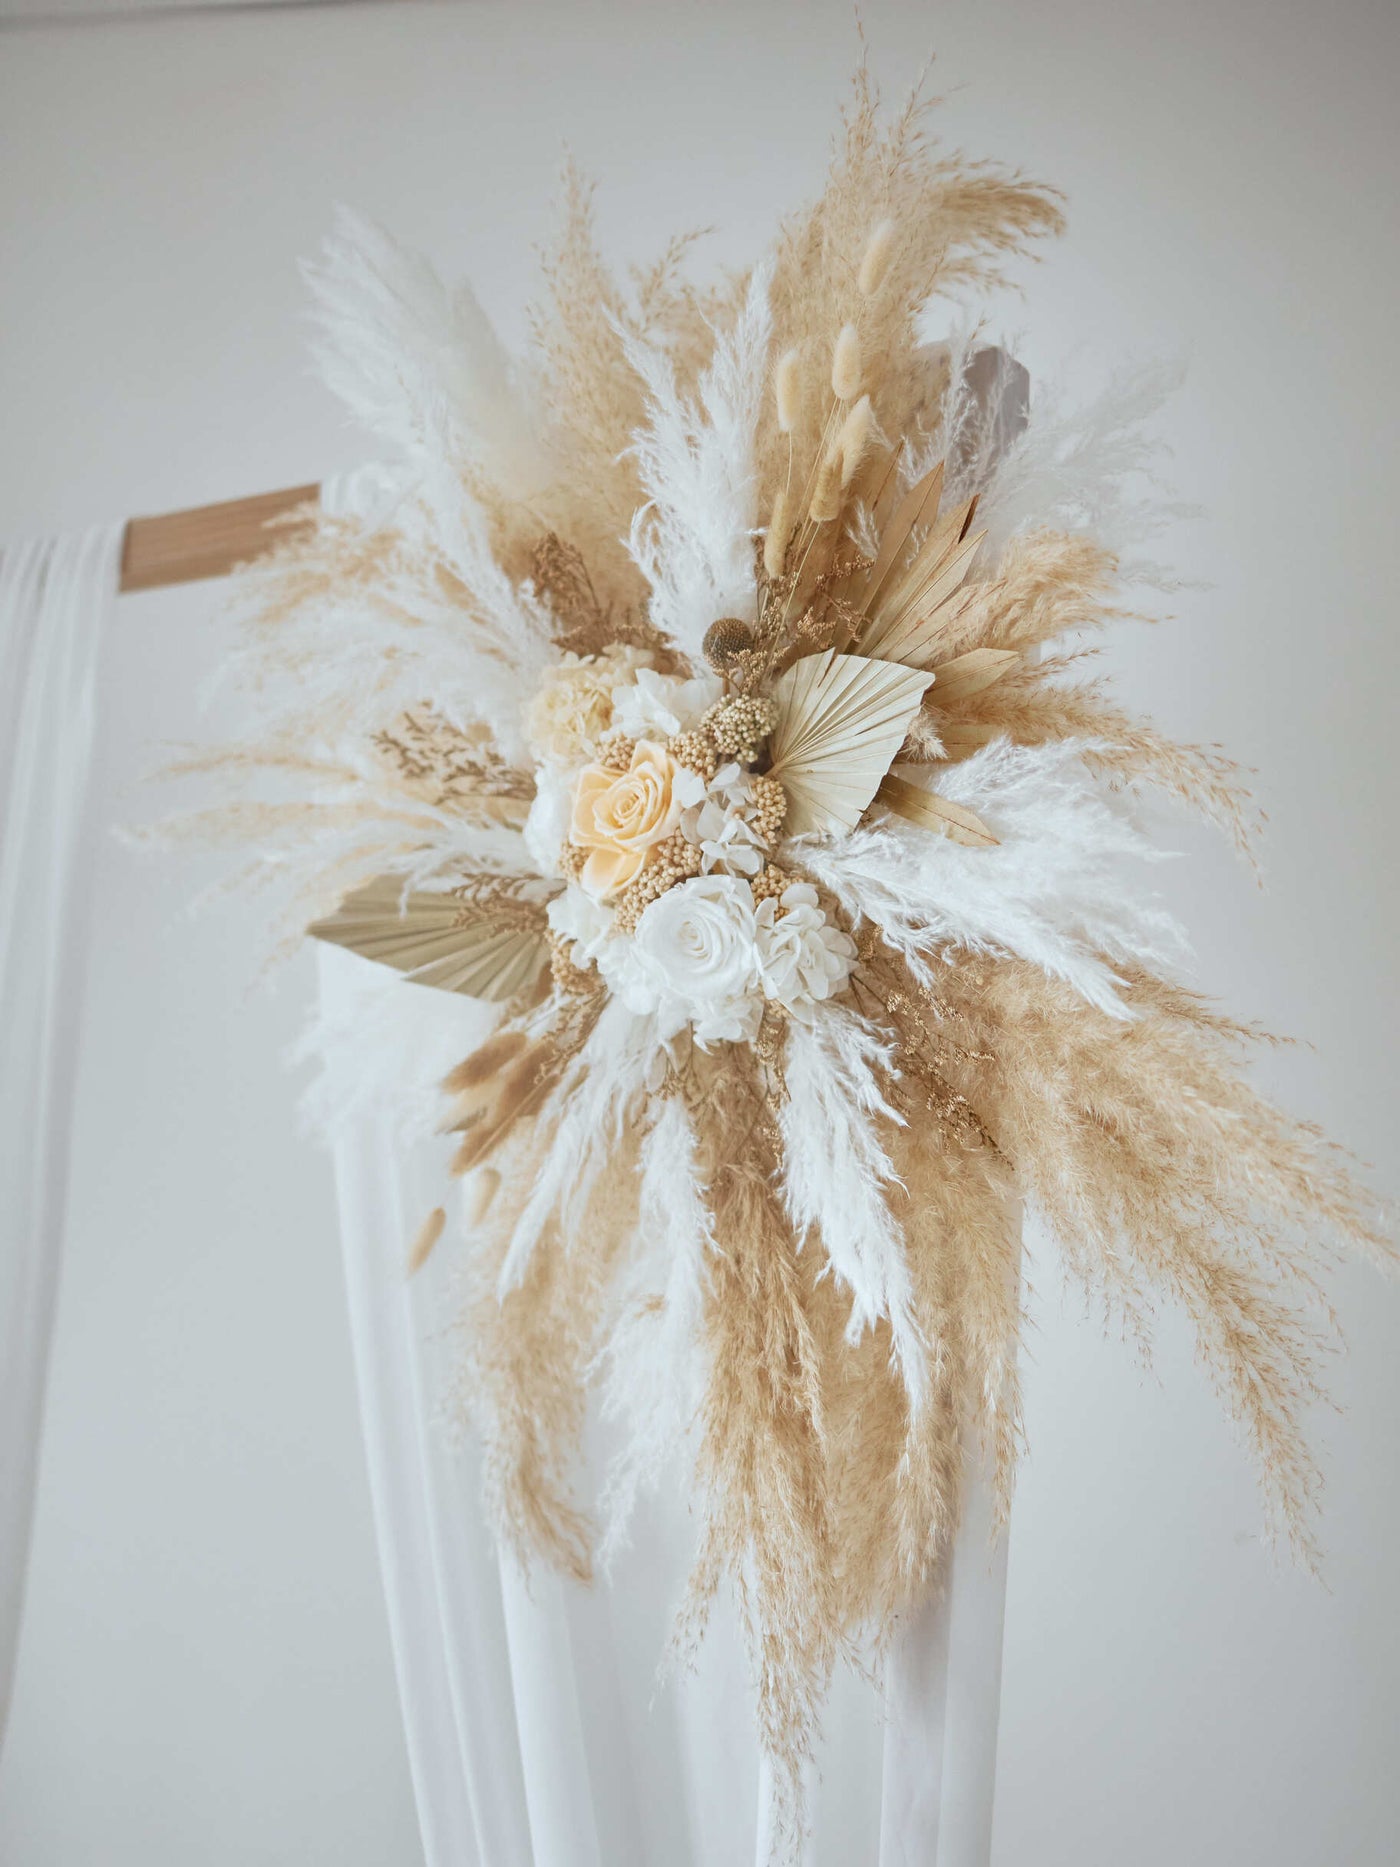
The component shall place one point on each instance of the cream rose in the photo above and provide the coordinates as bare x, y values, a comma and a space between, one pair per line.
573, 708
620, 817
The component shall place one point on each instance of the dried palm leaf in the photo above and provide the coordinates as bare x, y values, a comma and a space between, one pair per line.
969, 674
904, 626
932, 812
841, 722
479, 945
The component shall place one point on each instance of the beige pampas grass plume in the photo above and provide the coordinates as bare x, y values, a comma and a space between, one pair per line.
875, 262
853, 442
429, 1233
785, 390
775, 541
846, 365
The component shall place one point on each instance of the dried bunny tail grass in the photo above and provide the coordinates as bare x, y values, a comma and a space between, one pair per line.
876, 258
775, 539
500, 1049
846, 374
525, 1358
855, 439
787, 388
956, 221
1167, 1174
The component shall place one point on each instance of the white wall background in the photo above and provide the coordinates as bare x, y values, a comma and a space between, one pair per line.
205, 1673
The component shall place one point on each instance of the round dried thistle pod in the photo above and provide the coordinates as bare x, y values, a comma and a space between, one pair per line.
725, 641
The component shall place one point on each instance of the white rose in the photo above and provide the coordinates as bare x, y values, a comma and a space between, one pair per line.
802, 958
656, 706
693, 960
546, 827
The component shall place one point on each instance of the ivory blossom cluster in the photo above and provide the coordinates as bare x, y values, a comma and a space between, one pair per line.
663, 834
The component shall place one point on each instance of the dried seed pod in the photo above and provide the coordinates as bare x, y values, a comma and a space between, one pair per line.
724, 641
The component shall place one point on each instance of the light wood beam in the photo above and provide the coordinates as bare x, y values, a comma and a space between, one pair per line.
206, 541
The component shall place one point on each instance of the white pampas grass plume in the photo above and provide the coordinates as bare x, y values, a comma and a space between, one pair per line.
775, 539
853, 442
693, 539
786, 386
846, 372
1052, 892
591, 1111
655, 1362
875, 261
836, 1172
416, 362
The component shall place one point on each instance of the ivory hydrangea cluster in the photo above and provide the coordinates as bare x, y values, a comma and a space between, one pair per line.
663, 838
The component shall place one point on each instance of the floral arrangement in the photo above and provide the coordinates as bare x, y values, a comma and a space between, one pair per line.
687, 699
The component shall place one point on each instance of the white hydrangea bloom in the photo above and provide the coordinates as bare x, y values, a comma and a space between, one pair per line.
656, 706
546, 827
586, 922
802, 957
713, 822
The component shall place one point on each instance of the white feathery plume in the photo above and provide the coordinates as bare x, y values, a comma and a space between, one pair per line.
693, 538
369, 653
1082, 465
1052, 891
589, 1113
836, 1172
418, 364
381, 1046
1090, 466
655, 1368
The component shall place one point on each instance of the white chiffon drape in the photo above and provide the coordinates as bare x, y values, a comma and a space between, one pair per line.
537, 1730
55, 599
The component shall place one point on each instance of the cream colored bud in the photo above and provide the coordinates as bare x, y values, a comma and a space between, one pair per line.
875, 263
785, 390
845, 365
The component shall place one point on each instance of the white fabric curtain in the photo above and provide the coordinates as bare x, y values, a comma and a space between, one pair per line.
537, 1732
55, 598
